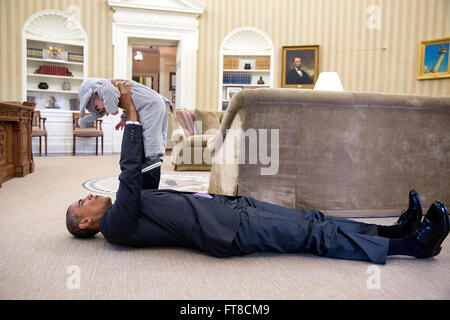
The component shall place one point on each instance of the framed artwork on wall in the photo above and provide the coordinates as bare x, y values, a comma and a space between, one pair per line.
172, 81
300, 66
433, 59
231, 91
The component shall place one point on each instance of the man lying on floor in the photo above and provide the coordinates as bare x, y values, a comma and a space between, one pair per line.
228, 226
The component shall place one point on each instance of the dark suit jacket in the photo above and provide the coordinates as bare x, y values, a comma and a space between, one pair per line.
163, 217
293, 77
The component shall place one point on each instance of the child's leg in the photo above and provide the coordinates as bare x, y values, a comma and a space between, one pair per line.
153, 119
150, 180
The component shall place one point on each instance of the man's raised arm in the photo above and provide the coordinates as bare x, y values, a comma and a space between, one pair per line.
128, 197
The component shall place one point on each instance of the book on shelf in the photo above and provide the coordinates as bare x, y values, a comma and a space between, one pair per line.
53, 70
74, 104
262, 64
230, 63
34, 53
75, 57
237, 79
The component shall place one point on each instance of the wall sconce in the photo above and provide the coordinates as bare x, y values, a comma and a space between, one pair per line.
138, 56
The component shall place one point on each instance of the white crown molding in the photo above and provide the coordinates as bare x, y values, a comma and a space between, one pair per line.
194, 7
158, 19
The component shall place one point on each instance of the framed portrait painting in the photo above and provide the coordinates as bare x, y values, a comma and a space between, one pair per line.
300, 66
433, 59
172, 81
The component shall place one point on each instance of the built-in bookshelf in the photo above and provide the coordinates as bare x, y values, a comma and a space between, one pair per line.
246, 63
243, 72
54, 72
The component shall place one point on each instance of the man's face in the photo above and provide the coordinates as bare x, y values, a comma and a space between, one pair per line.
91, 207
98, 103
298, 62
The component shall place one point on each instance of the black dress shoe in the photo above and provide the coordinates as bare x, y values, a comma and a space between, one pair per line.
433, 230
410, 219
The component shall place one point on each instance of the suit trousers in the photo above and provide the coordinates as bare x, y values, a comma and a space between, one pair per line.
266, 227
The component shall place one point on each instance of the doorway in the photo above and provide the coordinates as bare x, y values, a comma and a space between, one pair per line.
154, 64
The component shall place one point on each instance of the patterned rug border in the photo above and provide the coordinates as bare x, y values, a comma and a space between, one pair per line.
93, 184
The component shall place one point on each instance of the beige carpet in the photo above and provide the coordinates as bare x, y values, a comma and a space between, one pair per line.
36, 250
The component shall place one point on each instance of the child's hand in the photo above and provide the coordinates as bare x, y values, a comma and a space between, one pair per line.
121, 124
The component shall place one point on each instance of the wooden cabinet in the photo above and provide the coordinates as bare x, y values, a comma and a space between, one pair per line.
16, 158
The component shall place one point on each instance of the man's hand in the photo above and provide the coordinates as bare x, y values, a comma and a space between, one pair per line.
125, 100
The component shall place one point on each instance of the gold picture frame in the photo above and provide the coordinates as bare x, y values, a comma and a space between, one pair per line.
308, 56
434, 56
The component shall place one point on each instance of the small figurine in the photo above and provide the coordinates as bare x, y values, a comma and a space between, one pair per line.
51, 103
67, 86
260, 81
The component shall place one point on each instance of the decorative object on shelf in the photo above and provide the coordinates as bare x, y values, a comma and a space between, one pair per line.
434, 62
172, 81
51, 103
247, 64
34, 53
54, 52
260, 81
43, 85
75, 57
31, 99
231, 91
329, 81
74, 104
66, 86
300, 66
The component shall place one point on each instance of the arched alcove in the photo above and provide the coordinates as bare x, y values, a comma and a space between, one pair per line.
63, 74
245, 44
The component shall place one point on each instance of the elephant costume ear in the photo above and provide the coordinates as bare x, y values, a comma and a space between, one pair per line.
86, 93
85, 98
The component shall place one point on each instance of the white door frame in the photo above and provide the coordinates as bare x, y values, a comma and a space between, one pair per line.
150, 22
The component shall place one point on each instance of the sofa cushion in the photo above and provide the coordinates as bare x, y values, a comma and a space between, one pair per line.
186, 120
206, 120
198, 140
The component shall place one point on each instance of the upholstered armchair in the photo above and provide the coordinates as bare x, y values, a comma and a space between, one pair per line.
191, 132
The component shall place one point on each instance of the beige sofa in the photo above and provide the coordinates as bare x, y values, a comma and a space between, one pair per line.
188, 152
345, 153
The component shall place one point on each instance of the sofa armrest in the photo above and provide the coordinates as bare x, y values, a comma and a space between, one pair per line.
178, 135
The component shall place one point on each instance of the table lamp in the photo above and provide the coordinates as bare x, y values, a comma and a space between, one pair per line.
328, 81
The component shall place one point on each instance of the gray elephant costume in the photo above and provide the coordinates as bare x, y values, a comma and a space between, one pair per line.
151, 108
